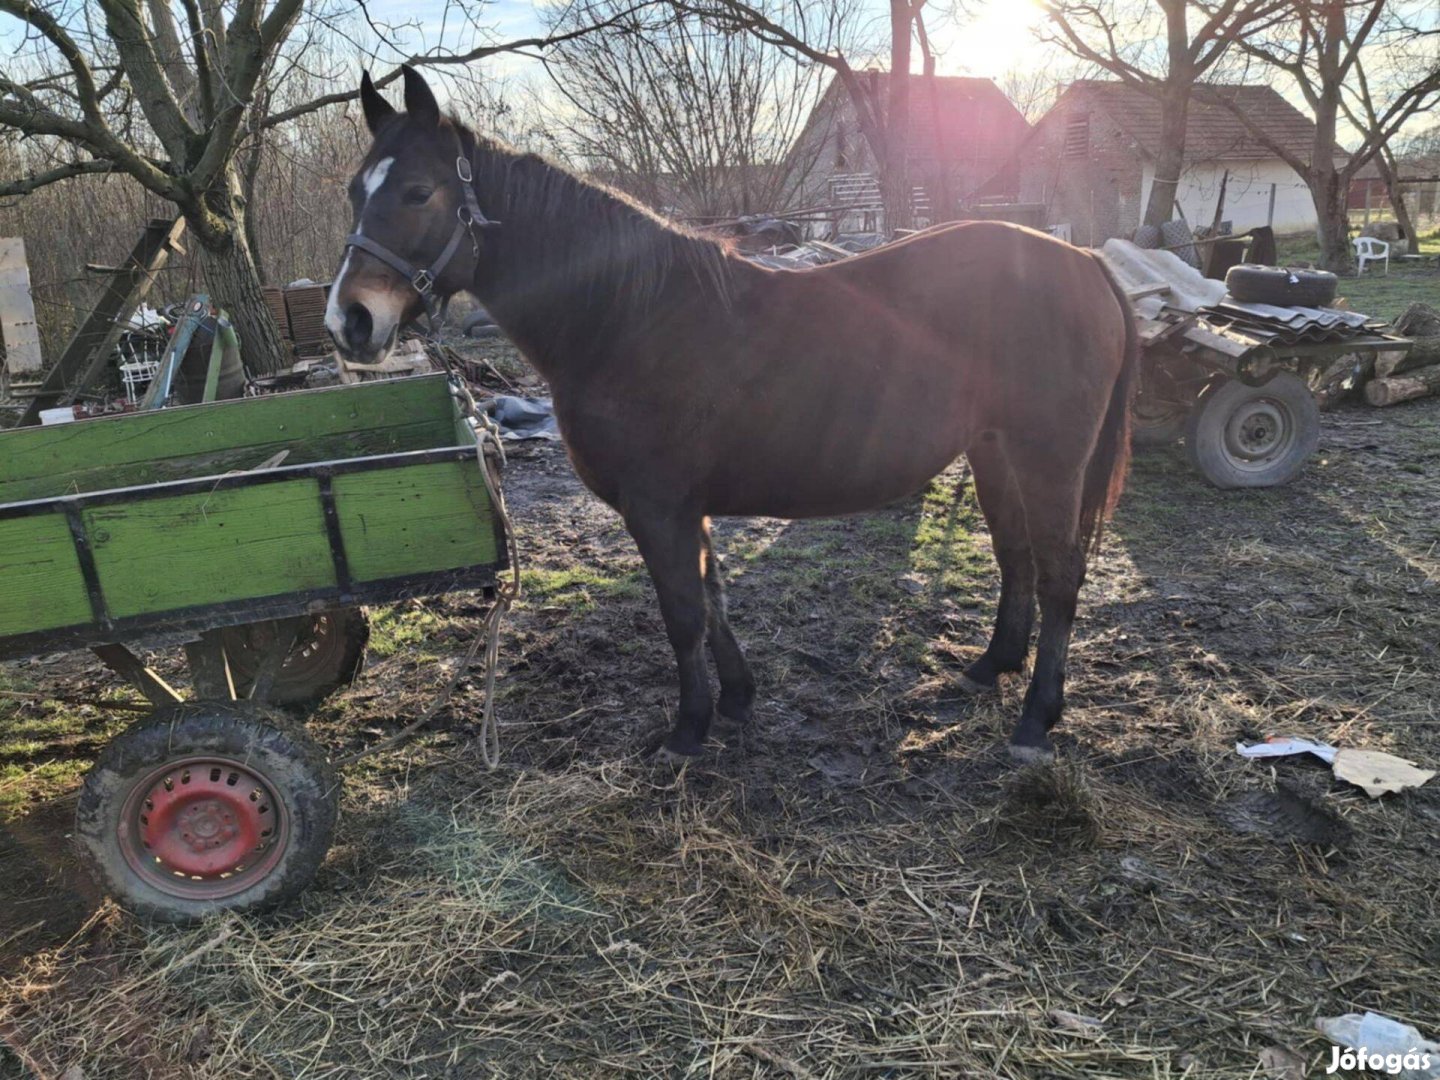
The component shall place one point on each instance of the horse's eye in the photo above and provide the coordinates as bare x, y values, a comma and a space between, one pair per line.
418, 196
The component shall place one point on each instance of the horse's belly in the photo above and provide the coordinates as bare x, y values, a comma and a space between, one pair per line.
801, 485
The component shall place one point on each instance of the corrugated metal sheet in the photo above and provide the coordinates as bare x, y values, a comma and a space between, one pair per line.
1269, 324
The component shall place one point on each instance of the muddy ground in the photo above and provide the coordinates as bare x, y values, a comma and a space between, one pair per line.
859, 886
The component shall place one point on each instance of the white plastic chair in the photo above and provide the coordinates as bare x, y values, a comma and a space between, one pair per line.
1368, 250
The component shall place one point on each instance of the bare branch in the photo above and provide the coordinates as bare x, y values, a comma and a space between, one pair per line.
36, 181
482, 52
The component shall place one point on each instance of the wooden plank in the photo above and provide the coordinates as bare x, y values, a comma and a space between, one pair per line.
18, 329
90, 347
41, 586
204, 440
210, 547
415, 519
1208, 339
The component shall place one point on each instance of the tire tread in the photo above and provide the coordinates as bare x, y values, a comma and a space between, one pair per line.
239, 727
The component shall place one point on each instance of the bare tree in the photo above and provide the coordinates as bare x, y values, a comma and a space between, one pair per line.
118, 86
1412, 51
1118, 37
1032, 90
883, 115
684, 115
1333, 50
111, 96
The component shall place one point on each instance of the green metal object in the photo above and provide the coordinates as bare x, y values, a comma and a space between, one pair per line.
225, 340
163, 520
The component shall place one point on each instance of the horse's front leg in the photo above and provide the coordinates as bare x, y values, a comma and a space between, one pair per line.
670, 544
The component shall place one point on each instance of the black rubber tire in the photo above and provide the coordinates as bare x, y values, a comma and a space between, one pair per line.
292, 765
1242, 436
479, 324
1156, 423
329, 655
1281, 286
1177, 237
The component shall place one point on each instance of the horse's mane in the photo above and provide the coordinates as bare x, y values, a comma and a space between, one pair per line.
626, 255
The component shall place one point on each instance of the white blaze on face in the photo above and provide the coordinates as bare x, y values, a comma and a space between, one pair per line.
380, 305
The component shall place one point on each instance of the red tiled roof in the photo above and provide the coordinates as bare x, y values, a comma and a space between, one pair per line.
1213, 132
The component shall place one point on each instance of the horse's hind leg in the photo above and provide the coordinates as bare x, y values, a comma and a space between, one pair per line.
669, 542
737, 685
1015, 614
1052, 514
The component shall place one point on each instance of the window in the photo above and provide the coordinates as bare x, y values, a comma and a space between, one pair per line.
1077, 136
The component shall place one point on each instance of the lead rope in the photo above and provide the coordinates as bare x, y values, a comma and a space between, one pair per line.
487, 435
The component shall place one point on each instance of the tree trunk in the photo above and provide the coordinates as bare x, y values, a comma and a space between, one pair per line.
234, 284
1385, 162
1170, 157
1330, 191
895, 179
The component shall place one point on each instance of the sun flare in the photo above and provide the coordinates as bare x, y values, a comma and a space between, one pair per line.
999, 38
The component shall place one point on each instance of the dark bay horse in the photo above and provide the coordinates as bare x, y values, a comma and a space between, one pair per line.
690, 383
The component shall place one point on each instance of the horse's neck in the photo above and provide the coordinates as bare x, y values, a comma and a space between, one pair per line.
560, 283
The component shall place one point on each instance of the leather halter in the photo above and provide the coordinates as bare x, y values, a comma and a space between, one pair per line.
469, 217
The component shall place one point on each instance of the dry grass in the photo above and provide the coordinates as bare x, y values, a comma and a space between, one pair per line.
863, 888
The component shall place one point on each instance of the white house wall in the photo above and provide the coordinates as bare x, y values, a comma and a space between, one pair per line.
1247, 194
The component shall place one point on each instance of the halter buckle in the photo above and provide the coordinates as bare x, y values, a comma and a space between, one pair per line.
462, 169
423, 282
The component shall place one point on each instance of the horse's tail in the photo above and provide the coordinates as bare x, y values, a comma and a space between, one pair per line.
1105, 472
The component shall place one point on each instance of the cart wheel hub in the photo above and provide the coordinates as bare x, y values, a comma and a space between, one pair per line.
202, 827
1258, 431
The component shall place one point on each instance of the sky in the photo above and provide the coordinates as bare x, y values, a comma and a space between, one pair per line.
998, 39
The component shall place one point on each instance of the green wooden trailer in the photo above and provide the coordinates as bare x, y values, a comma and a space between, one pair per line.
254, 530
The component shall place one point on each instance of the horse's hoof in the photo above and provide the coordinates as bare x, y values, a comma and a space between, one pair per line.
970, 686
1025, 754
679, 748
676, 761
739, 715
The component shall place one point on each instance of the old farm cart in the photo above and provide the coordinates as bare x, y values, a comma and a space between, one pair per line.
251, 531
1239, 387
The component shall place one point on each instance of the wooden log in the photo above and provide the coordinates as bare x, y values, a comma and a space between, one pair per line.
1424, 353
1420, 323
1419, 320
1421, 382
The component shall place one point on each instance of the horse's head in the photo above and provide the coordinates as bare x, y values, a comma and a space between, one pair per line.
415, 237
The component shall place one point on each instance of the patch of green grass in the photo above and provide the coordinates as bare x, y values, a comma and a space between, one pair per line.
951, 545
1386, 296
579, 586
45, 746
402, 626
1297, 249
21, 786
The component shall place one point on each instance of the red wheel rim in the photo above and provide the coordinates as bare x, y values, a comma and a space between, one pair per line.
203, 827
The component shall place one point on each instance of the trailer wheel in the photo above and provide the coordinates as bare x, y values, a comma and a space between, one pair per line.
1243, 436
327, 655
207, 806
1156, 422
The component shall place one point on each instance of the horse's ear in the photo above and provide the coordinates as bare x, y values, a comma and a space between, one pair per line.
377, 109
420, 103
